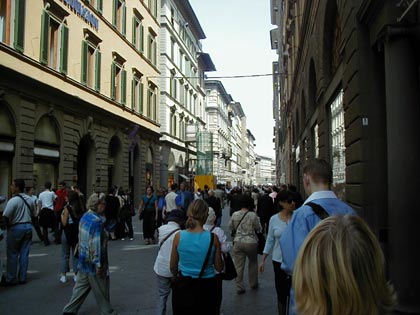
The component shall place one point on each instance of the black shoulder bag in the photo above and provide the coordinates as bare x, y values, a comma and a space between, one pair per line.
186, 291
141, 215
318, 210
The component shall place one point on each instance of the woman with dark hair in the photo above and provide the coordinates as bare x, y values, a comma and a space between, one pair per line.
277, 225
70, 218
148, 212
196, 254
244, 225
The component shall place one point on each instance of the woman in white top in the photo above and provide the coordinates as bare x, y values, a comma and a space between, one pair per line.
277, 226
175, 221
225, 246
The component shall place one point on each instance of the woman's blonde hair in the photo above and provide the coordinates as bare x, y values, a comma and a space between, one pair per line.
197, 213
340, 269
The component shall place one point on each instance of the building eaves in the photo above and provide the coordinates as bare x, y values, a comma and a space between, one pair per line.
237, 107
190, 17
205, 59
250, 134
219, 86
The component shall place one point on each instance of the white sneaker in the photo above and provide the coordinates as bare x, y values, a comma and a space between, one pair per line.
123, 239
131, 239
63, 279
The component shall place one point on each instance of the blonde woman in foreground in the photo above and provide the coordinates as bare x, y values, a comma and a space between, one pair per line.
340, 269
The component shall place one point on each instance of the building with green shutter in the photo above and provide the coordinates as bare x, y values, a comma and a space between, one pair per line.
79, 93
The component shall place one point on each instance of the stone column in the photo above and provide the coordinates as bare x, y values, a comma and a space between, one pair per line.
403, 141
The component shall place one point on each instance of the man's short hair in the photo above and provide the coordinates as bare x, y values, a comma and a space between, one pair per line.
174, 186
320, 171
48, 185
62, 183
20, 183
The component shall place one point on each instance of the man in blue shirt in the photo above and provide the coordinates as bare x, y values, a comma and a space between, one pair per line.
317, 180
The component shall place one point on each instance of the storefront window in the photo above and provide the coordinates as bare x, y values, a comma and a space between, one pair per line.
338, 147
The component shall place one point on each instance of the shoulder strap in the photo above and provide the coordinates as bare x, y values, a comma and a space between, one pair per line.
240, 221
168, 236
29, 208
207, 256
212, 228
318, 210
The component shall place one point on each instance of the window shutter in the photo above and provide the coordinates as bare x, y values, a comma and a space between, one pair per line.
83, 77
154, 45
141, 38
114, 13
64, 48
124, 18
99, 6
19, 26
113, 73
156, 8
133, 94
134, 32
148, 113
141, 98
123, 86
155, 105
45, 25
149, 47
97, 70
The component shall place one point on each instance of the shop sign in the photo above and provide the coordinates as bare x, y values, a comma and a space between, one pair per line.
83, 12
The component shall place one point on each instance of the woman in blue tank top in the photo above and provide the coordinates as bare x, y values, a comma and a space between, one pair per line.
189, 252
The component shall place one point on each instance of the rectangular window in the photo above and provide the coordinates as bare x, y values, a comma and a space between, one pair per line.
172, 49
338, 147
185, 100
173, 86
181, 59
138, 33
315, 135
153, 7
54, 42
118, 83
151, 48
172, 16
12, 23
137, 94
119, 16
151, 111
91, 65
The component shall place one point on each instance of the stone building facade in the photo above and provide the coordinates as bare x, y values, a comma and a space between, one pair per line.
348, 74
79, 93
182, 64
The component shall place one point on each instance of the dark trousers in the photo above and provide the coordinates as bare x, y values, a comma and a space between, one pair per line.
149, 224
264, 224
35, 224
283, 283
127, 222
57, 227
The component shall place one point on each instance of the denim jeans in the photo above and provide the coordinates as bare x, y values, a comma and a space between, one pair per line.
19, 239
66, 252
164, 287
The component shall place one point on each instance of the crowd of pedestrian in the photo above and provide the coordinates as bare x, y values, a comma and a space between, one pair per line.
325, 258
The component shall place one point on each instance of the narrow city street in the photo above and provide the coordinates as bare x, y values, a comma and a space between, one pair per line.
133, 285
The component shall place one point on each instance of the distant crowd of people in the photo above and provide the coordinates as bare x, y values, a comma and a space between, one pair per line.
325, 258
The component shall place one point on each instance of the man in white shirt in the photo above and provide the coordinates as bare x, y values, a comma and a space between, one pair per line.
176, 218
46, 211
170, 198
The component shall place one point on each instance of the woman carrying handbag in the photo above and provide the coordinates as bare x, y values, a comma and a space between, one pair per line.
196, 254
